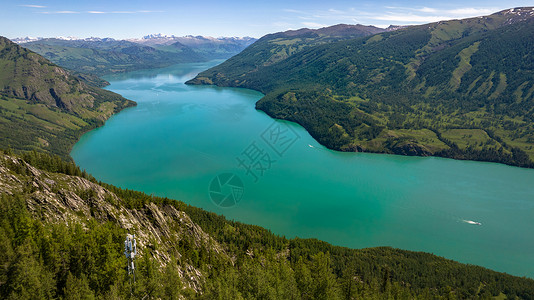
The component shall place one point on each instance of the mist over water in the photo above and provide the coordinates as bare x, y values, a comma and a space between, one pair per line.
180, 138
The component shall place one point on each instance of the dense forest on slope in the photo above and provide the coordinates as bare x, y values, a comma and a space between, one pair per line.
43, 106
461, 89
62, 236
277, 47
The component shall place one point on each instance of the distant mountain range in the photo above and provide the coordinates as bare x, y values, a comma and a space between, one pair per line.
190, 40
462, 88
207, 47
151, 39
101, 56
107, 56
34, 39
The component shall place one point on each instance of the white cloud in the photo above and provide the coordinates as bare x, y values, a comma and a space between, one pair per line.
295, 11
32, 5
103, 12
471, 11
59, 12
427, 10
410, 18
281, 24
332, 15
314, 25
389, 14
325, 18
335, 11
408, 15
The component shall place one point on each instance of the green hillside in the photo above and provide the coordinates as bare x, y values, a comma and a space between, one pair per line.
62, 236
45, 108
277, 47
461, 89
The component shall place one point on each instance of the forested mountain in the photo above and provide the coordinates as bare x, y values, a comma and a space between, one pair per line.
462, 88
277, 47
62, 236
43, 107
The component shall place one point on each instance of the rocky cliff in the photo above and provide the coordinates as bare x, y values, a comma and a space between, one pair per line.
63, 199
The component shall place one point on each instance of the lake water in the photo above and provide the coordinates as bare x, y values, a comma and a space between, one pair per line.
179, 138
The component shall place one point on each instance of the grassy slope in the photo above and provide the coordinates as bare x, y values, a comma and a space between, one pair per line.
43, 107
407, 92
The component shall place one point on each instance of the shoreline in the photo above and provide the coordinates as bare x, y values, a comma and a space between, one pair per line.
451, 153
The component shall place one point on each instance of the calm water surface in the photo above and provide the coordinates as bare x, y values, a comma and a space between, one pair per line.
180, 137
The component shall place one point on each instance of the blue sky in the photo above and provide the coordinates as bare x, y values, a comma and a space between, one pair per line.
134, 18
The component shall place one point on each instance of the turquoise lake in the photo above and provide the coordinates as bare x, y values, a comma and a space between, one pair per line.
179, 138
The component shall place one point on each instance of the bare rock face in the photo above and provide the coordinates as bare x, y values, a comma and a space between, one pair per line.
59, 198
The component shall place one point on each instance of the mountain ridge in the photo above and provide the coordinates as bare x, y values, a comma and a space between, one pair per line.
420, 90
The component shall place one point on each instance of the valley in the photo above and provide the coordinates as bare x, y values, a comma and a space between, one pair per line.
339, 161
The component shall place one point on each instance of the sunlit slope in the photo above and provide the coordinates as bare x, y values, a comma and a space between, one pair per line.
43, 107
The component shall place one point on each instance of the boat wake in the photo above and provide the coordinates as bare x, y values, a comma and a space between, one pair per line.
472, 222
